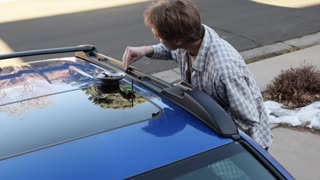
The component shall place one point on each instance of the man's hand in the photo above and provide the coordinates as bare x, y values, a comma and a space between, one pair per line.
133, 54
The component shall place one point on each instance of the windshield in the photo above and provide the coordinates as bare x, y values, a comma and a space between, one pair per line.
230, 162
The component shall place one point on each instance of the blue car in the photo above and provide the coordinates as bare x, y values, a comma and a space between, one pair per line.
84, 117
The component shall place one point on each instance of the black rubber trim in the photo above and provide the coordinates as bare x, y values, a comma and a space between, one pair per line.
262, 159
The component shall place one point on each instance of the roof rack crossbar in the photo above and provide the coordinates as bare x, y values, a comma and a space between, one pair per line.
84, 48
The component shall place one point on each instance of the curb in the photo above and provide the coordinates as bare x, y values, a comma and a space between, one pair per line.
280, 48
256, 54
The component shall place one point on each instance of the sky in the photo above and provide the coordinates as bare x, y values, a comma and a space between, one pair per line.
308, 116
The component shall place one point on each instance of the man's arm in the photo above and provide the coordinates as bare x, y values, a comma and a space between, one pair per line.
133, 54
161, 52
240, 97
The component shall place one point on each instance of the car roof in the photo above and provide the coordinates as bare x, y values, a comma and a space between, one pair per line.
118, 152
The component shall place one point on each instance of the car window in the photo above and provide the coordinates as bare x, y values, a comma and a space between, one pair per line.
230, 162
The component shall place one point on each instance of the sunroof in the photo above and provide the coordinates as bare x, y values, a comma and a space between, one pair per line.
48, 120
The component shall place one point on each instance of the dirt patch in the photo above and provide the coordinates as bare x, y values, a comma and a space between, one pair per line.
298, 128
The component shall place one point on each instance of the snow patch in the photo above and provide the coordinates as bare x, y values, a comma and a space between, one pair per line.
308, 116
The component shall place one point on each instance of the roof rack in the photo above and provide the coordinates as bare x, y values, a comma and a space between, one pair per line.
84, 48
194, 101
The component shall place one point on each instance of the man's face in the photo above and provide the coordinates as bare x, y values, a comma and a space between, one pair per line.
169, 44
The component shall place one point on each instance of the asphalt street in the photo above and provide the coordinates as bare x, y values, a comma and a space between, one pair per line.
245, 24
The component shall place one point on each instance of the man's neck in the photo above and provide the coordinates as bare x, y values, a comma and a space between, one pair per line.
193, 48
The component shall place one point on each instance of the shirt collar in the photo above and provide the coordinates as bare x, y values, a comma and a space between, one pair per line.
201, 59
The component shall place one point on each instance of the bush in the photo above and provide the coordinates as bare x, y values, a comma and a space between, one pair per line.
295, 87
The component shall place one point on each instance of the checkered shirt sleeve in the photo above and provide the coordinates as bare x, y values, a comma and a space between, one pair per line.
161, 52
241, 100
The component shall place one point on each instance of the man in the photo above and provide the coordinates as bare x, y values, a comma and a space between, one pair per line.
207, 62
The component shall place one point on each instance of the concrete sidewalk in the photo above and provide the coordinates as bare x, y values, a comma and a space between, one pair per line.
265, 71
297, 150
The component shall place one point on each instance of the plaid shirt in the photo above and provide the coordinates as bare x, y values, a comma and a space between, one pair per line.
220, 71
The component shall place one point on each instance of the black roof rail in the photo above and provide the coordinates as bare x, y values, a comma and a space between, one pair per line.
194, 101
84, 48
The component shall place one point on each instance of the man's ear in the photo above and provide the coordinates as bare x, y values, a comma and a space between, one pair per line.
178, 42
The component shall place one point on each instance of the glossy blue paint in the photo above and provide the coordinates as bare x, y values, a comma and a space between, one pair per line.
265, 154
66, 116
119, 153
170, 136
